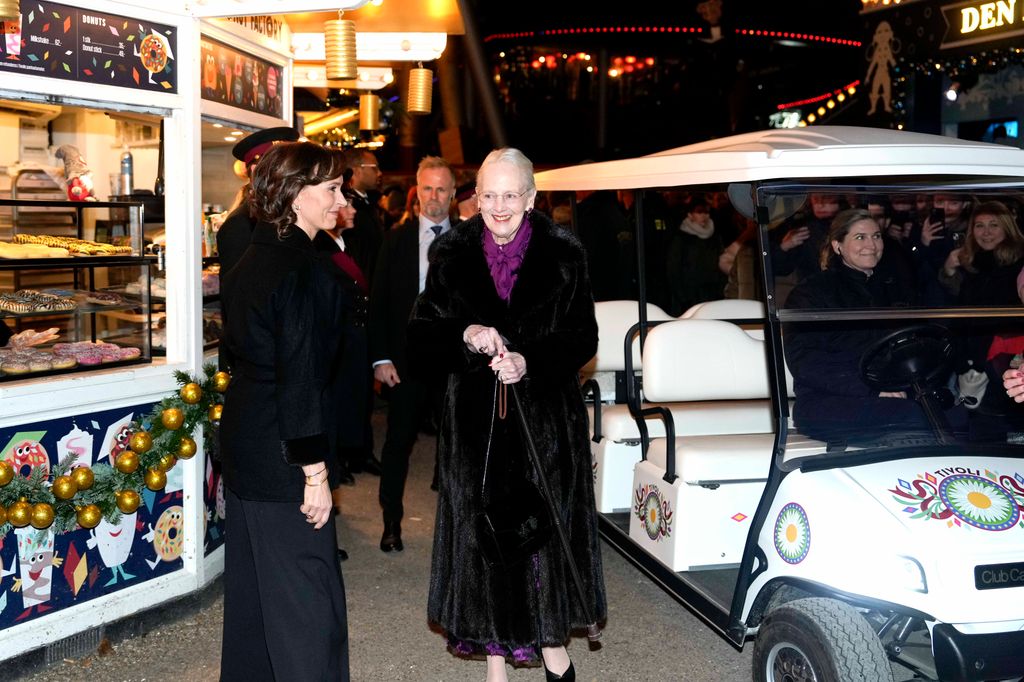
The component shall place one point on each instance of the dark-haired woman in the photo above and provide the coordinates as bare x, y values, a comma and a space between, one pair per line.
832, 401
284, 601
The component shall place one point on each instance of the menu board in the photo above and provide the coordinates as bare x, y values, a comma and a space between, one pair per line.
239, 79
58, 41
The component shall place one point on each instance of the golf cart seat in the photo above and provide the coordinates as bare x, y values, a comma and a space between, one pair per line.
613, 449
693, 495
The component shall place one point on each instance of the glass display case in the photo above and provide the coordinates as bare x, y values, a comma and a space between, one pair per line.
74, 303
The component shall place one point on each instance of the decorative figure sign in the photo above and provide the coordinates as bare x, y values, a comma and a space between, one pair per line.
880, 60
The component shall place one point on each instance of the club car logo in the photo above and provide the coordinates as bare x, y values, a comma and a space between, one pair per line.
653, 511
963, 496
792, 534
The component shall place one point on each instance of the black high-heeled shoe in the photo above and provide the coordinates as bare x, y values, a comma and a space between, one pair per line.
568, 676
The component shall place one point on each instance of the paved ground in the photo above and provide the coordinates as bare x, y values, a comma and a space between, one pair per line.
648, 635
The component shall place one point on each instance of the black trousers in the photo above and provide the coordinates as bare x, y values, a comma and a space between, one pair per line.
408, 402
284, 599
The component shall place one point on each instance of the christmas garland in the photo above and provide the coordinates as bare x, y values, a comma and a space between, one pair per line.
71, 496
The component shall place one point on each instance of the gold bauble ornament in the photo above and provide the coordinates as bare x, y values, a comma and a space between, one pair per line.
167, 462
64, 487
221, 381
83, 478
89, 516
19, 514
128, 501
187, 448
215, 412
141, 441
172, 418
191, 393
3, 515
127, 462
42, 515
6, 472
155, 479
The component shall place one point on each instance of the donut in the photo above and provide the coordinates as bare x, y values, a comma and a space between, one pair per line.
168, 535
90, 358
63, 362
154, 56
128, 353
15, 367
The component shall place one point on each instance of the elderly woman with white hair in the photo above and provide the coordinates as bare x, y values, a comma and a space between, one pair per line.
508, 303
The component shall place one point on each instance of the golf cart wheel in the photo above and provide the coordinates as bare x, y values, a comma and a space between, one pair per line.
818, 640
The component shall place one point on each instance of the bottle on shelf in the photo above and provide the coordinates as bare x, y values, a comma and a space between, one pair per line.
127, 172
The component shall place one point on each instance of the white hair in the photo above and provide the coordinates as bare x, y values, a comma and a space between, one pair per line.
514, 157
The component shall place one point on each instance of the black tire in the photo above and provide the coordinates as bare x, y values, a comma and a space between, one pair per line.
818, 640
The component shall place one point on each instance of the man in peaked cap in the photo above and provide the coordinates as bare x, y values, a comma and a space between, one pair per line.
235, 234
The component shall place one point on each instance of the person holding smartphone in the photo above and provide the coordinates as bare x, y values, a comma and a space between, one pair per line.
942, 231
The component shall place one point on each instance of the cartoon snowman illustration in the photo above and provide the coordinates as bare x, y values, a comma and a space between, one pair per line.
115, 544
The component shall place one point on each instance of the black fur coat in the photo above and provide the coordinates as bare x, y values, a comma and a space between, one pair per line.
550, 320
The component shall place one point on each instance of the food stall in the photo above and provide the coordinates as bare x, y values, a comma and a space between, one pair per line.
107, 382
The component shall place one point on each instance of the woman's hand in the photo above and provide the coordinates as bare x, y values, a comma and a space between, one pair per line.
893, 394
510, 367
1013, 382
931, 231
483, 340
795, 238
316, 500
952, 262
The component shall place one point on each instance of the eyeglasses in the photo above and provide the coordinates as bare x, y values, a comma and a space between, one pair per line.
488, 198
367, 165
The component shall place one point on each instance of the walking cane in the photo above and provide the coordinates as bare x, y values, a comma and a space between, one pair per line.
593, 632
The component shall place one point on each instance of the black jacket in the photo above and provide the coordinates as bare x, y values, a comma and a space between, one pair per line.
234, 237
824, 358
282, 322
363, 240
550, 320
393, 292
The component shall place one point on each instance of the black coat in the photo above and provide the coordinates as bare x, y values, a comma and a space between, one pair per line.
282, 322
824, 358
550, 320
395, 286
362, 241
352, 384
234, 237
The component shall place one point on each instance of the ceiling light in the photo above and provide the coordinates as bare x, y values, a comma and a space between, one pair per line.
334, 119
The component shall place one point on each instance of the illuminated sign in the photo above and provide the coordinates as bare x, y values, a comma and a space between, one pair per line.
976, 22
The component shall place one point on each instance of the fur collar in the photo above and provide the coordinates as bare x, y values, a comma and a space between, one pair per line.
549, 264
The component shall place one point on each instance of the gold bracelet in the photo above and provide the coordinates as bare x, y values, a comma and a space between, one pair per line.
314, 485
316, 473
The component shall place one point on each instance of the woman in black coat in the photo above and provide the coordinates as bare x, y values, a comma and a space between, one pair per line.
508, 301
284, 601
832, 401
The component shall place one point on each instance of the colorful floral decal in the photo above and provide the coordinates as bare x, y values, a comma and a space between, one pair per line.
792, 534
958, 495
653, 511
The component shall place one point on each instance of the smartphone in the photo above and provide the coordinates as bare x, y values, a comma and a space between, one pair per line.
938, 215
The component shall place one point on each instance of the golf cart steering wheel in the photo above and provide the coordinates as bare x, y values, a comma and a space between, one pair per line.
911, 359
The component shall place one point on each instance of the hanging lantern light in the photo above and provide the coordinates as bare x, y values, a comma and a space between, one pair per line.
421, 88
369, 112
10, 10
340, 48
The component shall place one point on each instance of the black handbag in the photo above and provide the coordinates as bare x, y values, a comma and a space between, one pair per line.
516, 519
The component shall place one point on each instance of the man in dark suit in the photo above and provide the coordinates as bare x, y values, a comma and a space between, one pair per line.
365, 237
399, 277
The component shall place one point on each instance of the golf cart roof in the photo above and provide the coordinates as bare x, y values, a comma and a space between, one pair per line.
818, 152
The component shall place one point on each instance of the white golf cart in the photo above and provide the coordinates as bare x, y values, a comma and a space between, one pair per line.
887, 553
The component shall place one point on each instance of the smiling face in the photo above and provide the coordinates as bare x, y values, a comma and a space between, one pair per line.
434, 188
503, 198
862, 246
317, 206
988, 231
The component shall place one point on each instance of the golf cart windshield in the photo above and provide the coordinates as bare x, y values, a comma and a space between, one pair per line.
900, 311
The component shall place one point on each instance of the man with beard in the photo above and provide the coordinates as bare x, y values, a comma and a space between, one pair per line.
399, 277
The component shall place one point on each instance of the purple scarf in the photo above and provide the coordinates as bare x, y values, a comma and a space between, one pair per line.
505, 260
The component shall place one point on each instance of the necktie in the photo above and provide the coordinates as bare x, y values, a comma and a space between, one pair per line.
436, 229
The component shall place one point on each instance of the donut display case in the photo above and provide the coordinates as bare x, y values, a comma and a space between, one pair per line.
74, 303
